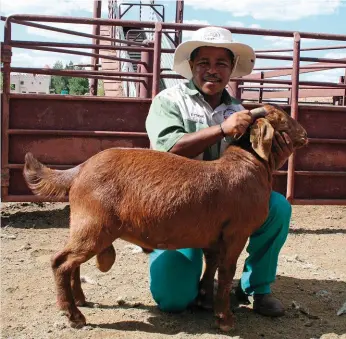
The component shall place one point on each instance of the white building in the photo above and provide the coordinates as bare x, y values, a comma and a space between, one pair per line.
30, 83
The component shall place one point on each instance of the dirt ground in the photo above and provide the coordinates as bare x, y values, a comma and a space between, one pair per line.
311, 282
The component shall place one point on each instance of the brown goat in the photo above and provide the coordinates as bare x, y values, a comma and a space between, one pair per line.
161, 200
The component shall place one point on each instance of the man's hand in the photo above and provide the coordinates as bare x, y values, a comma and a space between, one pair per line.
282, 148
236, 124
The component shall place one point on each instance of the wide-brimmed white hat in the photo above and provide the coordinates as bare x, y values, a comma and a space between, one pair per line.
215, 37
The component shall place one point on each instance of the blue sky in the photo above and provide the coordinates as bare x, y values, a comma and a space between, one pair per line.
324, 16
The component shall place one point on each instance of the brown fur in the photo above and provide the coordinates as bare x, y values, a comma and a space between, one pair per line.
161, 200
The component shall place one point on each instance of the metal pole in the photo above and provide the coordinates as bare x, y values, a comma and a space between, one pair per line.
145, 88
96, 31
6, 59
179, 20
157, 59
294, 113
260, 99
344, 98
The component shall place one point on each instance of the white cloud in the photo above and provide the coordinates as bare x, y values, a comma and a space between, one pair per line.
39, 59
45, 7
187, 34
280, 10
61, 36
235, 24
282, 42
332, 75
335, 55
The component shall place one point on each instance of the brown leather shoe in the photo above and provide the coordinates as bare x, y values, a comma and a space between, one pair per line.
268, 305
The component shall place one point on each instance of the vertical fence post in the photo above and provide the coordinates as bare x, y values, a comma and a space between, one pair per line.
294, 113
95, 60
157, 59
146, 86
260, 98
179, 20
6, 60
344, 96
234, 89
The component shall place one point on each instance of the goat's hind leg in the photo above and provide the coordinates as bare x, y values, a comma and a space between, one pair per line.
205, 298
76, 286
230, 250
64, 264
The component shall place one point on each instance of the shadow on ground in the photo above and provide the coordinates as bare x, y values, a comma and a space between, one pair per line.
311, 307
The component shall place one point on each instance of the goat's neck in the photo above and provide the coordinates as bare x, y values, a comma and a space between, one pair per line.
268, 165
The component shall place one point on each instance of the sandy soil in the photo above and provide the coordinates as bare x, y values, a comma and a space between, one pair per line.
311, 283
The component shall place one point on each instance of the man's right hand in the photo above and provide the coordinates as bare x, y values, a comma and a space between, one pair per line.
236, 124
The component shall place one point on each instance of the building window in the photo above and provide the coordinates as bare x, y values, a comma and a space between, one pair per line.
22, 82
13, 87
23, 91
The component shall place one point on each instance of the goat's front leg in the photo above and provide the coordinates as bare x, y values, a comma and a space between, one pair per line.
205, 297
229, 253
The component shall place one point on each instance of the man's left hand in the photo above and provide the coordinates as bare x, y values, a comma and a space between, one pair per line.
282, 148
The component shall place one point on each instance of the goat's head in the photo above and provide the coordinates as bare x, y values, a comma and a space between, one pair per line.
275, 119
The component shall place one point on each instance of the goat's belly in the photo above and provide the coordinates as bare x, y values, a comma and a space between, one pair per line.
171, 240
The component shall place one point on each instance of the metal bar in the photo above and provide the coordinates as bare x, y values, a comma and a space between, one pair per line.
95, 59
76, 72
157, 59
5, 116
294, 113
284, 87
85, 74
344, 96
75, 98
302, 67
284, 82
179, 15
67, 51
76, 133
302, 49
67, 31
113, 22
260, 94
145, 88
284, 57
321, 173
74, 45
327, 141
319, 202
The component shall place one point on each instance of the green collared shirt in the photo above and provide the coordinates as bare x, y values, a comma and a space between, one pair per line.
182, 109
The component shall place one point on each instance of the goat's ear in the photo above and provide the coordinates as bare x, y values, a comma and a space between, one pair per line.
261, 137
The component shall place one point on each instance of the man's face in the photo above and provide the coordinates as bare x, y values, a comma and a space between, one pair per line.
211, 69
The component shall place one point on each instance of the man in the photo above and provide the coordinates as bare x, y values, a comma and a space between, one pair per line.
198, 119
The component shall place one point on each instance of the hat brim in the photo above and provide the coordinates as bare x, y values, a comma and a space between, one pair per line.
244, 53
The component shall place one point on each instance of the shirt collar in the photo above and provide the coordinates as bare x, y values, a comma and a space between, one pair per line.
192, 90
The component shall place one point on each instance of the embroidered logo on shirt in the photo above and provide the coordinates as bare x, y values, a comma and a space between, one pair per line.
228, 112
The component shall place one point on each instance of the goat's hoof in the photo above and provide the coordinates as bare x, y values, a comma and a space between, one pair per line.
225, 324
204, 301
78, 322
80, 302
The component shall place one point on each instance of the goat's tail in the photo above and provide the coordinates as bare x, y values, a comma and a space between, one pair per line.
47, 182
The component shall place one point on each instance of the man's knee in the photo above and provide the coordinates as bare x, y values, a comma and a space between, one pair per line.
174, 278
280, 208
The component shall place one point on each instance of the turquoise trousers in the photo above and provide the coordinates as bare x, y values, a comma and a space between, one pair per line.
175, 274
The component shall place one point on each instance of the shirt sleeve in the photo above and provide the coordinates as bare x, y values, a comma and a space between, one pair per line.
164, 124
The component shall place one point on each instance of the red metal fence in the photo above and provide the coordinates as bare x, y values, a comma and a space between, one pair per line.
65, 130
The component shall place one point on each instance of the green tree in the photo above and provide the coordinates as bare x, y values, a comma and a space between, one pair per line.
58, 82
75, 86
